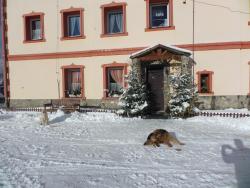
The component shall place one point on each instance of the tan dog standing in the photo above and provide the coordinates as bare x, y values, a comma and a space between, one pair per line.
44, 119
161, 136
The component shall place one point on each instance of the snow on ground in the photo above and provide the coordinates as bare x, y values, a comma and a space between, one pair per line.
104, 150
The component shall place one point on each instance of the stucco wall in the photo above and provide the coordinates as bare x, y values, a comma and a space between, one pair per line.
212, 24
37, 79
230, 67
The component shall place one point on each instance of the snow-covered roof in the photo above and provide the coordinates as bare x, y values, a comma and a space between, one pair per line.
170, 48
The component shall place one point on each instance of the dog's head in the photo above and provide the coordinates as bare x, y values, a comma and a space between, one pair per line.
148, 142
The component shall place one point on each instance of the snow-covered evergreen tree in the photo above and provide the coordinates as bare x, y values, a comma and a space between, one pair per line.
135, 99
183, 95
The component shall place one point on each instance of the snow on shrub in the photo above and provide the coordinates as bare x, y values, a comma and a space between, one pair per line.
134, 101
183, 95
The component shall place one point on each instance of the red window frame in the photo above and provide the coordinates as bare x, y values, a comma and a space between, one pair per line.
148, 19
27, 18
64, 78
249, 79
112, 7
105, 70
65, 13
209, 73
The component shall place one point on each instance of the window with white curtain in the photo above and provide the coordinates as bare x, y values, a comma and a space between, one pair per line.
159, 15
204, 83
115, 82
74, 25
73, 83
115, 22
35, 26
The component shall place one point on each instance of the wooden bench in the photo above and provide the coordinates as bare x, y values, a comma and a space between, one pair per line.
67, 105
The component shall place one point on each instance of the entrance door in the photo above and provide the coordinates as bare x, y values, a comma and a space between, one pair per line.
155, 81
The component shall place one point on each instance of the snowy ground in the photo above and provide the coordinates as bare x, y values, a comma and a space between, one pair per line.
103, 150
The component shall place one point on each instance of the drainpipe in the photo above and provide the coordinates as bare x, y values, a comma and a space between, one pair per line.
193, 36
4, 51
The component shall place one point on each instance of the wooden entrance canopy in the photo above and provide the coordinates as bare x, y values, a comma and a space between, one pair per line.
160, 52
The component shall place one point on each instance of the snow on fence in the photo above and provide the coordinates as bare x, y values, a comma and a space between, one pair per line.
84, 110
223, 114
81, 110
31, 109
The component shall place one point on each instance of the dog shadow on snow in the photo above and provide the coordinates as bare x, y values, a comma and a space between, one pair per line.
239, 156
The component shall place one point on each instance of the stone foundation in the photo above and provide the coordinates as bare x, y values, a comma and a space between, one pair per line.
23, 103
99, 103
204, 102
223, 102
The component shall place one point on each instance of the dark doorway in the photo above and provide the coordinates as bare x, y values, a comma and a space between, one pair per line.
155, 82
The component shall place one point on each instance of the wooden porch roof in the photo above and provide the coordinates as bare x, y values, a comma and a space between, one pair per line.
170, 49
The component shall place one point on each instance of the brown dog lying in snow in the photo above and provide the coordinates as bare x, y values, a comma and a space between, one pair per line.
161, 136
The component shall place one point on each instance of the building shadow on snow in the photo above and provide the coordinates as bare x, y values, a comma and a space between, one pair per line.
239, 155
59, 119
5, 117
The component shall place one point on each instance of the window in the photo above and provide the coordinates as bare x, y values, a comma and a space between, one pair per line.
74, 26
205, 82
72, 23
114, 20
34, 27
114, 82
159, 15
113, 78
73, 81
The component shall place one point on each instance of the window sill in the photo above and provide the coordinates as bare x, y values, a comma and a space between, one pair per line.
34, 41
110, 98
73, 38
160, 28
114, 35
82, 97
206, 94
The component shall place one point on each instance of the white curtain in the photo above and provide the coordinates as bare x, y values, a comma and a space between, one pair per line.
115, 22
117, 75
74, 26
76, 82
36, 30
157, 12
116, 85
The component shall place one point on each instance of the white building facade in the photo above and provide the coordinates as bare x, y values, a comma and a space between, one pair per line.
81, 49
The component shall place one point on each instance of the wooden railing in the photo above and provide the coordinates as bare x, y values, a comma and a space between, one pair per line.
81, 109
94, 109
223, 114
32, 109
